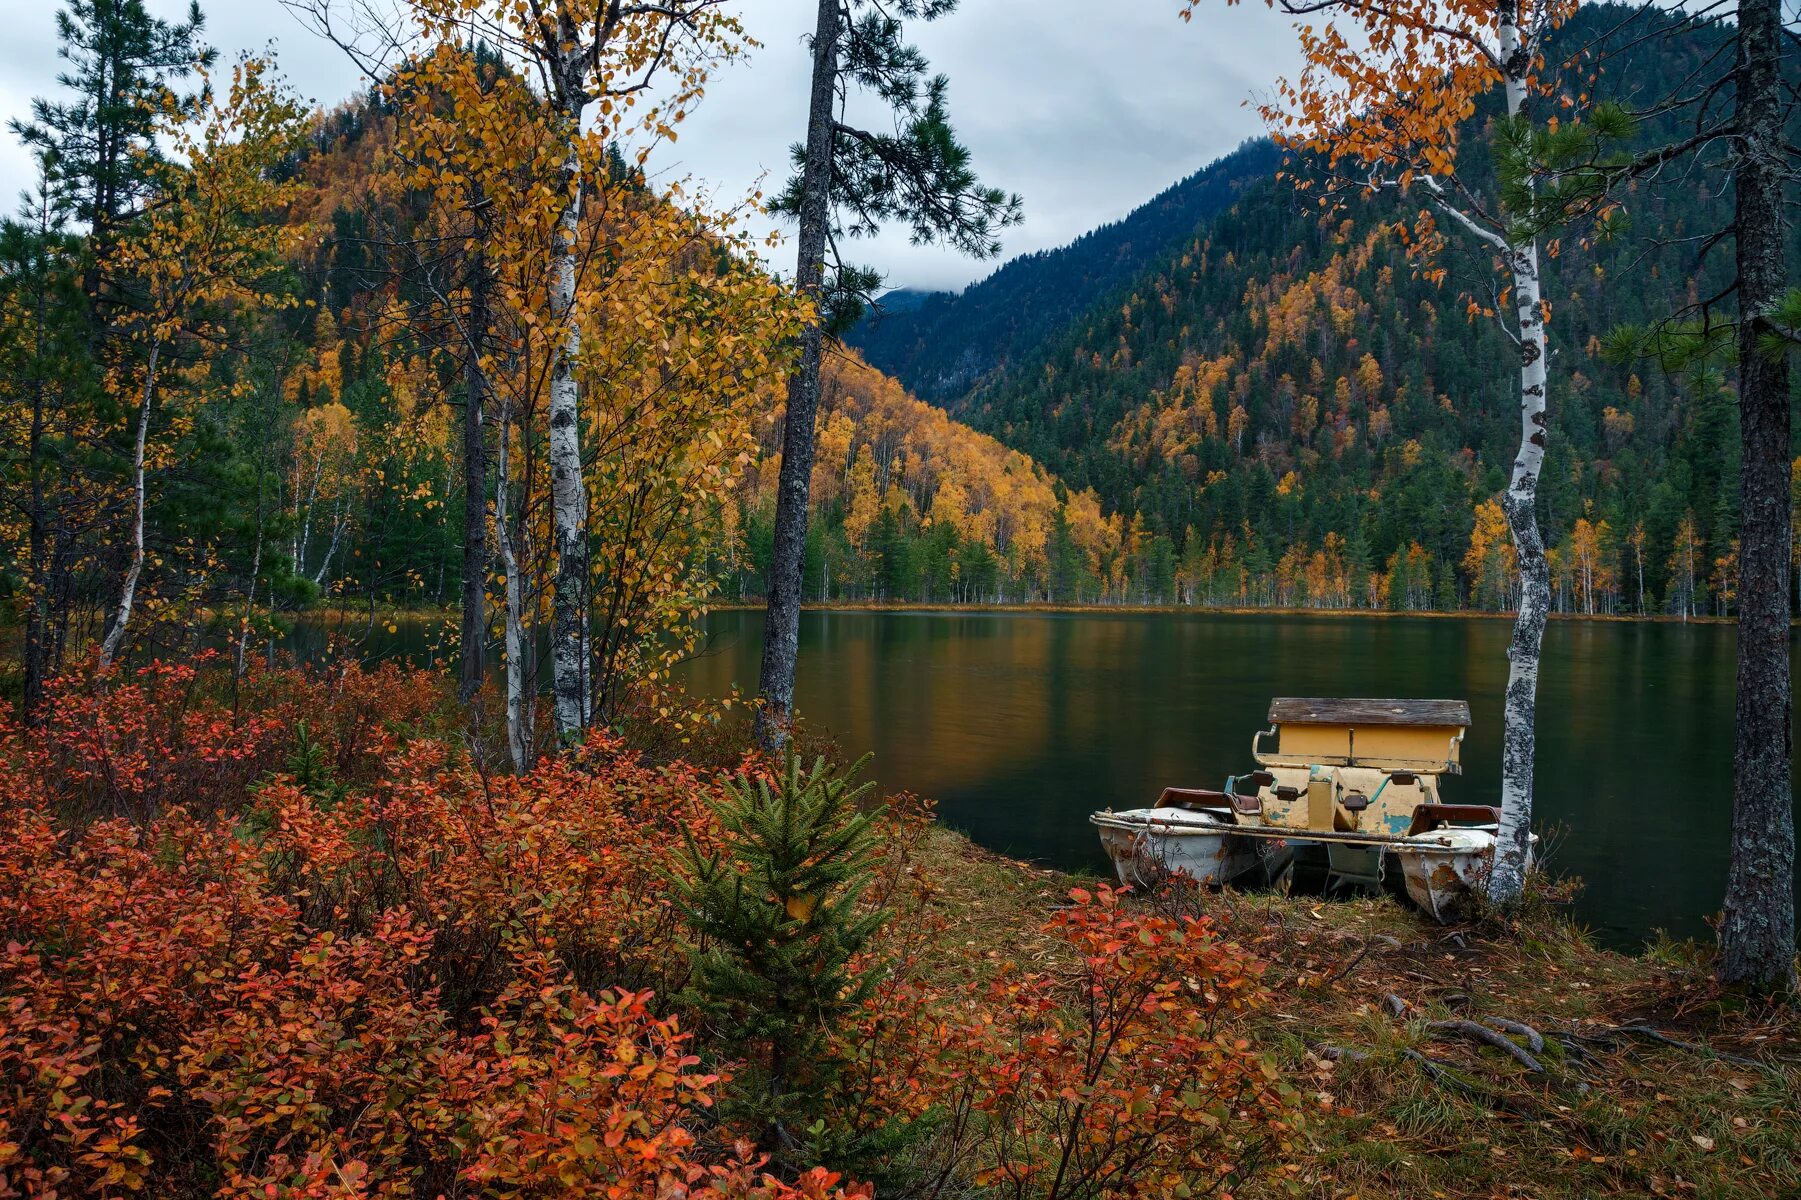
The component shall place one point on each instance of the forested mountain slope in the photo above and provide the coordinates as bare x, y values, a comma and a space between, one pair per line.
910, 504
1291, 410
941, 344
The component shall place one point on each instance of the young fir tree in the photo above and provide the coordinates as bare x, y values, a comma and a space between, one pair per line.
852, 181
777, 909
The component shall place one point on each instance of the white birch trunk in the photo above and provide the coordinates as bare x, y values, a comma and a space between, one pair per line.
256, 568
518, 732
339, 521
115, 637
1519, 721
568, 489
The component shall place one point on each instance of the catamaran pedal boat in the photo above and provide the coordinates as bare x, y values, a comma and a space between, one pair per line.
1355, 779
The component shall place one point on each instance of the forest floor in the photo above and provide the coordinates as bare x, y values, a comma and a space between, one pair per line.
1649, 1080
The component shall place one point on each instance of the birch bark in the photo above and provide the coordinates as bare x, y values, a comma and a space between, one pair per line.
1519, 741
128, 592
475, 482
518, 732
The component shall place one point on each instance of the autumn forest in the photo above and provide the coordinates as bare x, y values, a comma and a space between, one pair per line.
1492, 315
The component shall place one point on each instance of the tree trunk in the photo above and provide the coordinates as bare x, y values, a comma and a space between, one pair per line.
115, 637
475, 482
1519, 737
568, 489
1757, 935
37, 584
781, 627
518, 732
256, 569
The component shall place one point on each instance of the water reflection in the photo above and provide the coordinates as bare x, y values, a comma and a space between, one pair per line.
1019, 725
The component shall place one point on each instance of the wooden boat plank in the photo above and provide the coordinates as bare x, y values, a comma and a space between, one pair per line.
1300, 710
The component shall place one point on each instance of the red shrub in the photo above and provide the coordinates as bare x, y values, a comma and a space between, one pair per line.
1115, 1077
403, 978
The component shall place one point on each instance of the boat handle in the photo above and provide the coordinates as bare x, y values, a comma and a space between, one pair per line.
1257, 741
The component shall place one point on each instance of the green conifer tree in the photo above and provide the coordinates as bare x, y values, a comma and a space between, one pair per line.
777, 909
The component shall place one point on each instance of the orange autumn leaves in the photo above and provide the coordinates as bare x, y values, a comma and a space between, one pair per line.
404, 981
299, 947
1386, 86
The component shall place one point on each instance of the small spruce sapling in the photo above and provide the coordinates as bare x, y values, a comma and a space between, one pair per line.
777, 909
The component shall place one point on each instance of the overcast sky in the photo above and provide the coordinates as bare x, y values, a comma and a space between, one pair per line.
1085, 107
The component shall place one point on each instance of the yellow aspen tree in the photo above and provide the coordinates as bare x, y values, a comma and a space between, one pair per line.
209, 238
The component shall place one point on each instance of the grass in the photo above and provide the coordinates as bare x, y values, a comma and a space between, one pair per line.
1399, 1107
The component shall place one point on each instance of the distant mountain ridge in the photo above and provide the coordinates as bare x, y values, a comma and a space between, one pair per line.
943, 344
1279, 407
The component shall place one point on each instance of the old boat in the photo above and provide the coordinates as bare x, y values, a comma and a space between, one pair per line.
1189, 831
1351, 784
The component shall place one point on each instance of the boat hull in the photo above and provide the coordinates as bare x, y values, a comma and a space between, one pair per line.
1444, 868
1147, 845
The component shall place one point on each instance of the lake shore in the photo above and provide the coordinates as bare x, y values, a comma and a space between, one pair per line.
909, 606
1649, 1079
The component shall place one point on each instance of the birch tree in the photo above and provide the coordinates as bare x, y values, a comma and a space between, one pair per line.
1387, 90
602, 72
849, 182
602, 54
208, 240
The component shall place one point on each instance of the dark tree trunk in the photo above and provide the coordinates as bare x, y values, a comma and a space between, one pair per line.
781, 628
37, 585
1757, 936
475, 482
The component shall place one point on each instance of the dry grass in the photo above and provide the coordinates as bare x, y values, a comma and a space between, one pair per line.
1403, 1107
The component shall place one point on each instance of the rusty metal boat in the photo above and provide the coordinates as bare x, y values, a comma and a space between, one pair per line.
1353, 785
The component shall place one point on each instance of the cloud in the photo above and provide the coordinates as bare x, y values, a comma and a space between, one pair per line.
1086, 108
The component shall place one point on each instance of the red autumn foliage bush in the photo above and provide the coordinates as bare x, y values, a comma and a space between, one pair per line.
286, 939
1115, 1074
410, 979
1126, 1066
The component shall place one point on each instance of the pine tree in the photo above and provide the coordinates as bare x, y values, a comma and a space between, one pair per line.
101, 143
777, 907
849, 183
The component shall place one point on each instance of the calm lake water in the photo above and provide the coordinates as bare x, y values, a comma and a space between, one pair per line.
1019, 725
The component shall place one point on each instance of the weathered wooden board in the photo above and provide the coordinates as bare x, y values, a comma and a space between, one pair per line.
1295, 710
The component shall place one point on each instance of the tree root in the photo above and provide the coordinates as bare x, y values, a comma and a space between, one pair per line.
1608, 1036
1488, 1037
1535, 1041
1440, 1074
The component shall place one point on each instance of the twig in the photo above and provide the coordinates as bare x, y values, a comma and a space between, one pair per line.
1361, 954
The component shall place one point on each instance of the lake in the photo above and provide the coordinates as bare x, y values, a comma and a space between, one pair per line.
1020, 724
